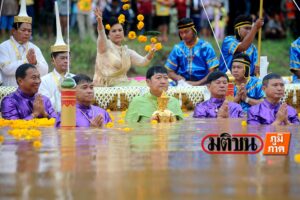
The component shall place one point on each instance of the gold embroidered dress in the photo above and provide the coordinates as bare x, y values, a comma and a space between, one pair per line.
112, 65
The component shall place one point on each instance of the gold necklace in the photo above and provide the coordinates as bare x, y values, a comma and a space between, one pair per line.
87, 116
56, 79
17, 52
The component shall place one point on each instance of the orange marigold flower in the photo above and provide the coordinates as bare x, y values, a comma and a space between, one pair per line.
37, 144
158, 46
148, 47
127, 129
244, 123
186, 114
140, 17
126, 6
121, 121
109, 125
140, 25
132, 35
153, 40
121, 18
107, 27
1, 138
154, 121
142, 38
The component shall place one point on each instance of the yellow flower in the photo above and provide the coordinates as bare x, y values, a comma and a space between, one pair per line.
297, 158
140, 17
154, 121
132, 35
37, 144
111, 117
121, 18
298, 114
124, 1
158, 46
107, 27
127, 129
121, 21
153, 40
148, 47
121, 121
1, 138
244, 123
142, 38
186, 114
126, 6
109, 125
108, 110
140, 25
123, 113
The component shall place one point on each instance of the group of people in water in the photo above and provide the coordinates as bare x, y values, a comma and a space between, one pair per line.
193, 62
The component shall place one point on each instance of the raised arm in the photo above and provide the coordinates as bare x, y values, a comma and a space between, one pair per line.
102, 40
141, 61
245, 44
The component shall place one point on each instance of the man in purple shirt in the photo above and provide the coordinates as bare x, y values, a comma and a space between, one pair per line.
88, 115
216, 106
271, 110
26, 103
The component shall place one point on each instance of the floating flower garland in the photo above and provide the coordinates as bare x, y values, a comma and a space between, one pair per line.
26, 129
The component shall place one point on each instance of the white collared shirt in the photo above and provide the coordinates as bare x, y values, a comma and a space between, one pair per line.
9, 61
50, 88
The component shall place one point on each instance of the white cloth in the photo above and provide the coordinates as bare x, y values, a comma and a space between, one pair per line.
9, 61
50, 87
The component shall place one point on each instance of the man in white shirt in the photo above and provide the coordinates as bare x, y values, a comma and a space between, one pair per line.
18, 50
51, 82
50, 86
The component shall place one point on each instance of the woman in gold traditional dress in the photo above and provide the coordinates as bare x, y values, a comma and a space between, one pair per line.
114, 59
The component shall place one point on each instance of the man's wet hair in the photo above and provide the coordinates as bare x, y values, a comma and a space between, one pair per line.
155, 70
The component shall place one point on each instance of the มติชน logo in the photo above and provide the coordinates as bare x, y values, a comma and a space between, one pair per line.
226, 143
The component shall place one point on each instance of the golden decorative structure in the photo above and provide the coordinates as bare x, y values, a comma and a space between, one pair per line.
68, 103
60, 45
163, 114
23, 17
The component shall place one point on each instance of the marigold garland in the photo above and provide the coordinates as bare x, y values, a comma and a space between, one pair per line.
142, 38
153, 40
126, 6
132, 35
107, 27
140, 25
140, 17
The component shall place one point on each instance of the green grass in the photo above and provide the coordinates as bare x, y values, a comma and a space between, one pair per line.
84, 53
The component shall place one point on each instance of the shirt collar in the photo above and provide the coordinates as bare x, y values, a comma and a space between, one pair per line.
82, 107
57, 74
16, 42
216, 100
270, 105
151, 96
22, 94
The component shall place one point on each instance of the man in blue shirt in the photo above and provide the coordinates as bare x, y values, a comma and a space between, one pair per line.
193, 58
295, 60
247, 89
241, 42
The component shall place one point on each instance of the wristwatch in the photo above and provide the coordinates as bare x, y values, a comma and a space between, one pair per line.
247, 100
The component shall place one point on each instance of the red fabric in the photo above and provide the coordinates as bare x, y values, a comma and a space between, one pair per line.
144, 7
181, 8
